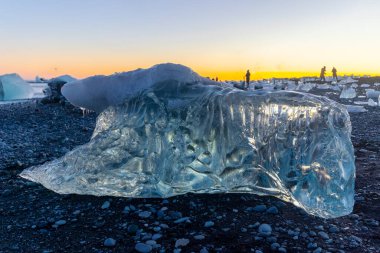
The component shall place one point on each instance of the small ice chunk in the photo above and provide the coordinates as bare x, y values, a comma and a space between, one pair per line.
371, 93
305, 86
355, 108
348, 92
13, 87
371, 102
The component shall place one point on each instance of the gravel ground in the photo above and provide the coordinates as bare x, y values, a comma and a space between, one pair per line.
34, 219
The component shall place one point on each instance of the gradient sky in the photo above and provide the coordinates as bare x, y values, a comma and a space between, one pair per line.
214, 37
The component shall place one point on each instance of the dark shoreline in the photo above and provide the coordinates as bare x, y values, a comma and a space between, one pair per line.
29, 213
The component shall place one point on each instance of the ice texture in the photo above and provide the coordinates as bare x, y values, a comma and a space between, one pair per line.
348, 92
13, 87
177, 137
371, 93
371, 102
355, 108
63, 78
98, 92
306, 87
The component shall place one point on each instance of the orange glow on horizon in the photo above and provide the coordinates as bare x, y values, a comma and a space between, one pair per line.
86, 70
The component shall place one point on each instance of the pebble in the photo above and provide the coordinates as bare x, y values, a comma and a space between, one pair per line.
156, 237
143, 248
60, 222
151, 242
209, 224
132, 229
312, 245
323, 235
260, 208
272, 210
199, 237
318, 250
181, 242
334, 229
275, 245
265, 230
203, 250
145, 214
105, 205
109, 242
180, 220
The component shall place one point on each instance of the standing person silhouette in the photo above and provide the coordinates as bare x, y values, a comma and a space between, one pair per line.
335, 76
247, 78
323, 72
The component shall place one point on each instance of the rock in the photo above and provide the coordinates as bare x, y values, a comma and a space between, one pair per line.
132, 229
334, 229
199, 237
312, 245
106, 205
145, 214
274, 246
180, 220
203, 250
260, 208
109, 242
156, 237
209, 224
181, 242
265, 230
272, 210
323, 235
143, 248
60, 222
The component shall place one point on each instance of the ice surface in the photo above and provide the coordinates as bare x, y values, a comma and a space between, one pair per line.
371, 93
348, 92
63, 78
371, 102
13, 87
355, 108
306, 87
98, 92
348, 80
176, 137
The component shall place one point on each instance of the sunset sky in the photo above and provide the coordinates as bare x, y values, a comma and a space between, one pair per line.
220, 38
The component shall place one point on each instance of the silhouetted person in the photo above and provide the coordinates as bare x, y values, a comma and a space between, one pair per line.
335, 76
247, 78
323, 72
216, 79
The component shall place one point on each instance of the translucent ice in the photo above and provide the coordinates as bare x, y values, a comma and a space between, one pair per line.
12, 87
355, 108
306, 86
63, 78
176, 137
98, 92
371, 93
371, 102
348, 92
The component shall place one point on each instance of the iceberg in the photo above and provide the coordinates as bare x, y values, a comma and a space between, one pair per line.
371, 93
63, 78
348, 92
98, 92
182, 135
13, 87
306, 87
